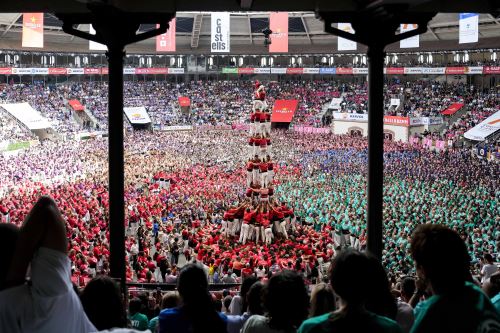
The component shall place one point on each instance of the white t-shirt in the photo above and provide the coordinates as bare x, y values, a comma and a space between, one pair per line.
49, 304
405, 316
487, 271
259, 324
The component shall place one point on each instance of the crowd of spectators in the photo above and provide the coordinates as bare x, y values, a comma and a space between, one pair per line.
226, 102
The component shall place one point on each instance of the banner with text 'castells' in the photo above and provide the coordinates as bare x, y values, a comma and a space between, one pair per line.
220, 36
283, 110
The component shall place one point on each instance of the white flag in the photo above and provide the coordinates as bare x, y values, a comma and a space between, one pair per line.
220, 41
93, 45
468, 28
346, 44
409, 42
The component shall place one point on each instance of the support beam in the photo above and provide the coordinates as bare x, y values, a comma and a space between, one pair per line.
73, 36
434, 34
250, 29
386, 19
11, 24
375, 189
306, 28
115, 36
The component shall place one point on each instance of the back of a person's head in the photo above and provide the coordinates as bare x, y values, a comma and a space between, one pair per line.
103, 304
488, 258
322, 300
380, 299
286, 300
197, 302
247, 283
227, 302
170, 300
254, 298
348, 276
192, 282
135, 305
8, 239
442, 255
408, 287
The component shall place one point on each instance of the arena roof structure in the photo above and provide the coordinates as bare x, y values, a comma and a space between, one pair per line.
306, 34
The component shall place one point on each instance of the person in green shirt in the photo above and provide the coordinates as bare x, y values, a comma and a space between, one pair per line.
457, 305
138, 320
349, 277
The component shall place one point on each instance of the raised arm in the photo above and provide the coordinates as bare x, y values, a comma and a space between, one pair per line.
43, 227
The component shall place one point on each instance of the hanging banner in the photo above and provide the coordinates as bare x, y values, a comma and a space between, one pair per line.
350, 116
137, 115
344, 71
470, 70
166, 42
468, 28
57, 71
346, 44
278, 70
335, 104
261, 70
245, 70
397, 120
278, 23
433, 70
293, 70
485, 128
311, 70
220, 41
93, 45
283, 110
184, 101
328, 70
76, 105
395, 101
409, 42
32, 30
75, 71
452, 109
30, 117
491, 70
5, 70
394, 70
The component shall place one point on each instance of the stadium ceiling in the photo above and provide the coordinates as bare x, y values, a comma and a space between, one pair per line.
306, 32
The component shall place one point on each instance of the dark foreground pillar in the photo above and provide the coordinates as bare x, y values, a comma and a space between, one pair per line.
375, 149
116, 163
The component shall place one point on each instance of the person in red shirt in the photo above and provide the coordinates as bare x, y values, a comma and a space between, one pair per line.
270, 170
263, 173
255, 170
249, 172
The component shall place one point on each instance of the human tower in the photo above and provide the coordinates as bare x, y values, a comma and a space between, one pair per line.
260, 217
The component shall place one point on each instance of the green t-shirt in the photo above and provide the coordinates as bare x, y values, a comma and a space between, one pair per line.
139, 321
468, 312
496, 302
338, 323
153, 324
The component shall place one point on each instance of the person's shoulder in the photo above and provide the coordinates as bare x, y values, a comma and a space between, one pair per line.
169, 313
222, 316
256, 320
387, 325
312, 324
